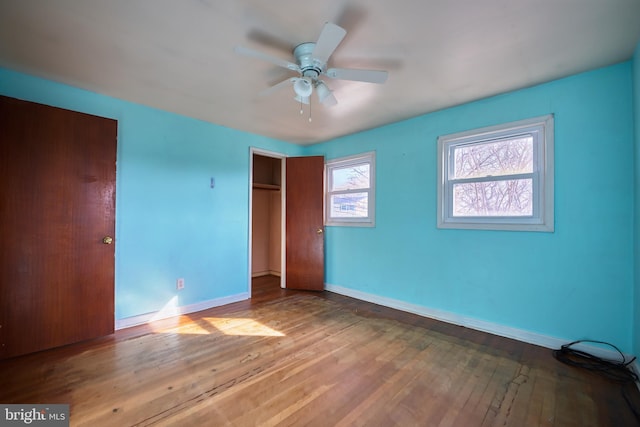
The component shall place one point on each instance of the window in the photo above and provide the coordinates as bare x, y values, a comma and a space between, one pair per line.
350, 195
498, 178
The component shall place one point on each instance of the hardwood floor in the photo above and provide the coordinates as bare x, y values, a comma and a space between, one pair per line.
319, 359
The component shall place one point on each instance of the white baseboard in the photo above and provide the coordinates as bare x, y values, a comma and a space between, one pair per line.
477, 324
265, 273
172, 311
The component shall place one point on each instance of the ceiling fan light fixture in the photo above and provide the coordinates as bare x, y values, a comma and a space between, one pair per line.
302, 99
323, 91
303, 87
325, 95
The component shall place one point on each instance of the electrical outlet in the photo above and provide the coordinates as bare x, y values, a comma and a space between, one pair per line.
180, 284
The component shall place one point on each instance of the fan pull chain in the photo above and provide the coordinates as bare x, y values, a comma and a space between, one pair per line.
309, 110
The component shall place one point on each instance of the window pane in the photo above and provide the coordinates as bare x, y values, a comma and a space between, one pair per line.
351, 205
493, 198
505, 157
350, 178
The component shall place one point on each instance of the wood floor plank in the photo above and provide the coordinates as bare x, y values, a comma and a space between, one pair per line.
315, 359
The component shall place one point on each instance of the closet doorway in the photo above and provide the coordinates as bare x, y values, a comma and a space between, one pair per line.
267, 228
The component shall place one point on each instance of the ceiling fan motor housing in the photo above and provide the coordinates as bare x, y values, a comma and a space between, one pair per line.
309, 66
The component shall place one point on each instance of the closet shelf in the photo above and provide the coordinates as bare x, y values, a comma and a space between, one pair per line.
266, 186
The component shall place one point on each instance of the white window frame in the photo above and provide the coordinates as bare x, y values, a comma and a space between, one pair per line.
345, 162
541, 128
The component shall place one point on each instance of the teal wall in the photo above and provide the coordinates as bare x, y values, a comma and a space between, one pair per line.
574, 283
636, 110
577, 282
169, 222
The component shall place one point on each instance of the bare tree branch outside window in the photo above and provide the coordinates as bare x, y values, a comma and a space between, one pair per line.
350, 193
485, 184
351, 178
350, 204
499, 177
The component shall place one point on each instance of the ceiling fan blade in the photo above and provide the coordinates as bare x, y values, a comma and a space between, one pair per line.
265, 57
369, 76
329, 39
278, 86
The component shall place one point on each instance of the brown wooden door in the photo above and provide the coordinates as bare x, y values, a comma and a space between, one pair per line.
57, 203
304, 223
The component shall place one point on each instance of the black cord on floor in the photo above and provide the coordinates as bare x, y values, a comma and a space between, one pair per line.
616, 370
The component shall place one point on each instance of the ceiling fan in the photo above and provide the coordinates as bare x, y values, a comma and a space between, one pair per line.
311, 63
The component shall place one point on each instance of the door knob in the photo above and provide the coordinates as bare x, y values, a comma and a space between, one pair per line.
107, 240
319, 231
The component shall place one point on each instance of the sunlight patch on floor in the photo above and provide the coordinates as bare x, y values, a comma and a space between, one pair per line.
242, 326
234, 326
170, 320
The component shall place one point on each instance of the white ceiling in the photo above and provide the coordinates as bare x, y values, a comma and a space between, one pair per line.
177, 55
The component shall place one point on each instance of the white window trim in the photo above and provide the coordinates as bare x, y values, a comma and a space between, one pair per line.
543, 218
370, 220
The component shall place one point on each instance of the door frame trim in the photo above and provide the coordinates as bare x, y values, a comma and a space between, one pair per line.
283, 216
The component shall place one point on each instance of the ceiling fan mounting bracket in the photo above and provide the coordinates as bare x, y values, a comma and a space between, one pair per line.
309, 66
